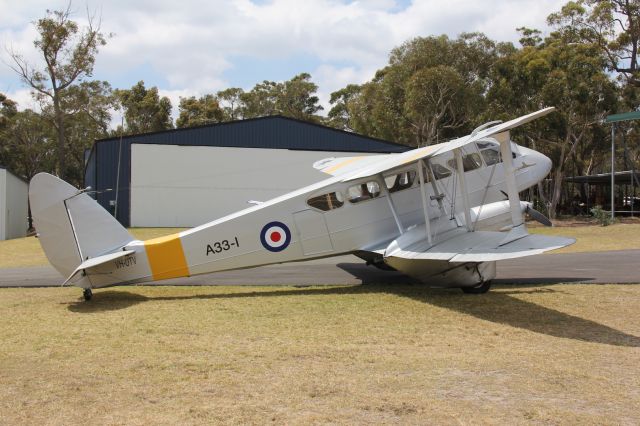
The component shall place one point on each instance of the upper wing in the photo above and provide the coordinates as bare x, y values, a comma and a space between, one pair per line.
344, 165
392, 161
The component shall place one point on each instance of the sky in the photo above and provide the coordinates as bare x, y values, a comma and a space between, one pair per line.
190, 47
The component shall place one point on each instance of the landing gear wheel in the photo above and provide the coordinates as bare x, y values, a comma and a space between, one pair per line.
479, 289
87, 293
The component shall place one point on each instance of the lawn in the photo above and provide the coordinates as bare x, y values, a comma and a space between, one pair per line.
620, 236
560, 354
23, 252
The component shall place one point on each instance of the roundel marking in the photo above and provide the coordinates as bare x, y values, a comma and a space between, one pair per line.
275, 236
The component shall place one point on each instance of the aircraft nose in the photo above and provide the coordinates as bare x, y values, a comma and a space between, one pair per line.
543, 164
540, 162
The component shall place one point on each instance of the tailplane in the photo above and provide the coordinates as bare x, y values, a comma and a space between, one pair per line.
72, 227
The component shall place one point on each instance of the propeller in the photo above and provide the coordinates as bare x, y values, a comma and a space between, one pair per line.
537, 216
533, 213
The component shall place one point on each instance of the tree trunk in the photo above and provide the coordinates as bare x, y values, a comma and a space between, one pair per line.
61, 136
558, 176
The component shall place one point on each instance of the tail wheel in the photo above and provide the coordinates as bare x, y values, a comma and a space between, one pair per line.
479, 289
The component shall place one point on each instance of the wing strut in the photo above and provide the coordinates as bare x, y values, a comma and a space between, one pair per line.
424, 201
391, 205
463, 190
519, 230
437, 195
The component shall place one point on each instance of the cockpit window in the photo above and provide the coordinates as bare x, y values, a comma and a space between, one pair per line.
440, 171
469, 162
485, 145
326, 202
490, 152
400, 181
363, 191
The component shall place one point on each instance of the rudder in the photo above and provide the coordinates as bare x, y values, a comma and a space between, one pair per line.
72, 227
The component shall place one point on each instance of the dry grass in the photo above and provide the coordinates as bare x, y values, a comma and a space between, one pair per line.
561, 354
620, 236
23, 252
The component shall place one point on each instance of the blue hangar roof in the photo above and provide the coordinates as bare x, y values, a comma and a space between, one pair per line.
273, 132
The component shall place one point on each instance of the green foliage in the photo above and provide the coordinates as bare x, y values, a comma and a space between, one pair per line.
614, 27
28, 144
293, 98
231, 101
144, 109
603, 217
338, 116
199, 111
68, 56
8, 109
261, 100
529, 36
431, 89
88, 118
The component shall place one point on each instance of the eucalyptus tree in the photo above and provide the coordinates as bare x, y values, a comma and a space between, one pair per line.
144, 109
431, 89
611, 25
199, 111
28, 144
292, 98
339, 116
296, 98
67, 52
231, 102
570, 75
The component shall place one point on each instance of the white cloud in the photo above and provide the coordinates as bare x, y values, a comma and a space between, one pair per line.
190, 46
174, 96
24, 99
330, 78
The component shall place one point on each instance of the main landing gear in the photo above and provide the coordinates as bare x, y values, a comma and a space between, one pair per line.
87, 293
481, 288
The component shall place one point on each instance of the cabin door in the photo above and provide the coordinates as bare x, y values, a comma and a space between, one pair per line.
312, 232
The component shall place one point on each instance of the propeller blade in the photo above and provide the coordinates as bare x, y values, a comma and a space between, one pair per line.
538, 217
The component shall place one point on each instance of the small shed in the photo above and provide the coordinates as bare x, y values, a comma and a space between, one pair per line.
13, 205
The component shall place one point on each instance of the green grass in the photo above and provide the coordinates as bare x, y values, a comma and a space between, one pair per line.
560, 354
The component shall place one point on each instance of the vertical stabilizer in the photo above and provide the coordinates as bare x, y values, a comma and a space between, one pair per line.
72, 227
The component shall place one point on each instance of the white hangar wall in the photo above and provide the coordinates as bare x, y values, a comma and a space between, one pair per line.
13, 206
186, 186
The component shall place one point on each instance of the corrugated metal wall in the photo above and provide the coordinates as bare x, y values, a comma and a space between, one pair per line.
268, 132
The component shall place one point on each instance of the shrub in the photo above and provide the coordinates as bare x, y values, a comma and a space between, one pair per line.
602, 216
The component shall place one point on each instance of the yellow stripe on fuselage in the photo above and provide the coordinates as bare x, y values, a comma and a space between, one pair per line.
166, 257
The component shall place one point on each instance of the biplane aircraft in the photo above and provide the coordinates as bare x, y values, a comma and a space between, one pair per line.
437, 214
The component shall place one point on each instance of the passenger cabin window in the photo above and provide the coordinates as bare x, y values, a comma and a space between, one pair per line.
326, 202
490, 152
363, 191
469, 162
440, 171
400, 181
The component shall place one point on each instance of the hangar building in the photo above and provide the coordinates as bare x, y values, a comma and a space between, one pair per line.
13, 205
187, 177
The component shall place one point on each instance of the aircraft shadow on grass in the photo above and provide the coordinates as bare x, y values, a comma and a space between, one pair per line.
501, 307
